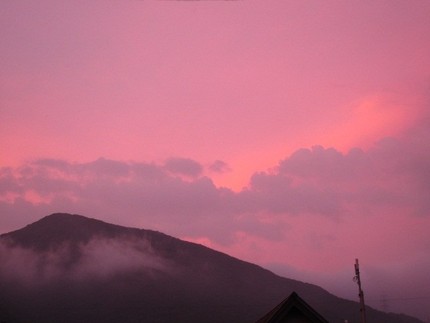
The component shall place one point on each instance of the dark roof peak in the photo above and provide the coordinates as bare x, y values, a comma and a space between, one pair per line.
290, 308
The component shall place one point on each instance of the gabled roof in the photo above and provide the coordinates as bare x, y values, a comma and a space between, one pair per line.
290, 307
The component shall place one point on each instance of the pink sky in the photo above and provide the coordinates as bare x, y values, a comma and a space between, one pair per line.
291, 134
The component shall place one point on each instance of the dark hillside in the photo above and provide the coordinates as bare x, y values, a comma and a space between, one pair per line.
69, 268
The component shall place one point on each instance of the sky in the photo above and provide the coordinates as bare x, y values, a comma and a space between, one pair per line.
291, 134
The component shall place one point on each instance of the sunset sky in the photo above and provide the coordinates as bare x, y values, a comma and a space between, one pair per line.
292, 134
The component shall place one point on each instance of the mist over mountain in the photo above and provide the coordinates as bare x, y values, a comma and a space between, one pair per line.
69, 268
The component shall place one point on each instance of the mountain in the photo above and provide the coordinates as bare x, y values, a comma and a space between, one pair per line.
69, 268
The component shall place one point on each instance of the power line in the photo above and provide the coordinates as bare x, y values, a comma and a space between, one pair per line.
405, 298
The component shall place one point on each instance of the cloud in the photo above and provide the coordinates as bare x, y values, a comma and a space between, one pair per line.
183, 166
81, 262
122, 192
219, 166
176, 196
276, 193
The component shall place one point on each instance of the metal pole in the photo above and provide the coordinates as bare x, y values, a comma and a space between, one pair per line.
360, 292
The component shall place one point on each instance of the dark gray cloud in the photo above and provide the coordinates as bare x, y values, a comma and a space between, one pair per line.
184, 166
219, 166
276, 193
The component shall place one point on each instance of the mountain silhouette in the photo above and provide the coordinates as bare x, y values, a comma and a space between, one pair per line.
70, 268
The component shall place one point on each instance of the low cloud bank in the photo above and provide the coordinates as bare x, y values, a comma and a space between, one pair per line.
98, 259
176, 196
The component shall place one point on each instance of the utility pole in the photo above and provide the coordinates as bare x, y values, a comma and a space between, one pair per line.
360, 292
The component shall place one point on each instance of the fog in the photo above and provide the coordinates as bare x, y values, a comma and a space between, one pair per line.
100, 258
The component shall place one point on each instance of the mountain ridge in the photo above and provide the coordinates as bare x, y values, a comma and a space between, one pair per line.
166, 276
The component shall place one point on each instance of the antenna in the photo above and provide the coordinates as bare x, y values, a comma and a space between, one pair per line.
360, 291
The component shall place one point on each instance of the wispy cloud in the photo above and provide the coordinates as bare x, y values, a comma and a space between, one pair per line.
80, 262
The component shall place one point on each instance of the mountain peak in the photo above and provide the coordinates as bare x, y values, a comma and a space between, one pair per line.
57, 228
64, 217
